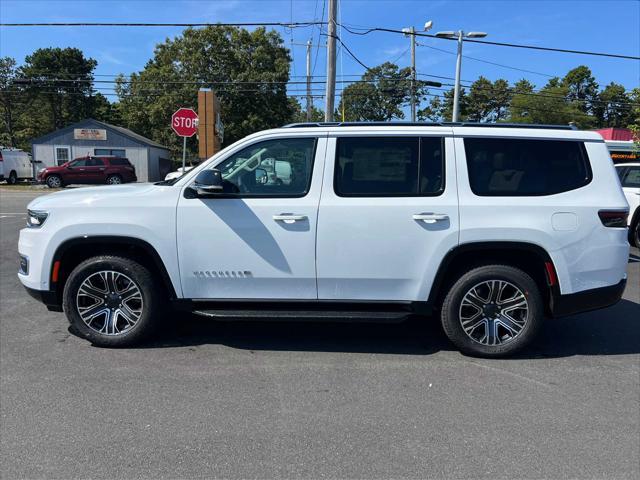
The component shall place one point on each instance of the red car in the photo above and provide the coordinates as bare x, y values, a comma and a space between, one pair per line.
103, 169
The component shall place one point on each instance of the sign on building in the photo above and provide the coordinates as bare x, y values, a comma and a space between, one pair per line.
89, 134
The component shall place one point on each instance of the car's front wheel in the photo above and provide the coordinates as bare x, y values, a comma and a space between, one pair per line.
492, 311
54, 181
112, 301
13, 178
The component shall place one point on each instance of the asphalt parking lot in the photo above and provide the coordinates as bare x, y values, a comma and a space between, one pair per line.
287, 400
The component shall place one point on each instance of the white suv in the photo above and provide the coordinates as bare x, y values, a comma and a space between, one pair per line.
629, 174
490, 227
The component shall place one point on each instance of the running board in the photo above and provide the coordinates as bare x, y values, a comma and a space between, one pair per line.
301, 315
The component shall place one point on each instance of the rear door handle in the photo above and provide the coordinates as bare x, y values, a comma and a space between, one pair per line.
431, 217
289, 218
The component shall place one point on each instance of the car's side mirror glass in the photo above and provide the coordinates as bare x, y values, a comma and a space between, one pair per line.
208, 182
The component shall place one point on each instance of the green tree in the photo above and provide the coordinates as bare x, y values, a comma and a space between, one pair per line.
548, 106
634, 117
440, 109
582, 88
379, 95
63, 80
9, 99
613, 108
299, 114
488, 101
247, 70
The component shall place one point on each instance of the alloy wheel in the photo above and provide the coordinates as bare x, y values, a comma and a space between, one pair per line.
493, 312
114, 180
109, 302
54, 182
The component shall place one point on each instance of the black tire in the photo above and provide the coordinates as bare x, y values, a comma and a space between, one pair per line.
13, 178
634, 233
452, 310
54, 181
151, 304
114, 180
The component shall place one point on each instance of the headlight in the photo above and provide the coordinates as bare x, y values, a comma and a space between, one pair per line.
36, 219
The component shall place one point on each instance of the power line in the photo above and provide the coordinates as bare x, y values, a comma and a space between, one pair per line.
324, 4
486, 61
48, 82
367, 31
116, 24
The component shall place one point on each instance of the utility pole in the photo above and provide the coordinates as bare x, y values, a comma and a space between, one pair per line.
460, 36
456, 91
412, 34
331, 62
309, 99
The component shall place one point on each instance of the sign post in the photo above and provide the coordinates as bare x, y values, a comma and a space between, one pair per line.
185, 123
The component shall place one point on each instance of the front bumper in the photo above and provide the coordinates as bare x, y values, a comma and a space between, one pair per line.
563, 305
49, 298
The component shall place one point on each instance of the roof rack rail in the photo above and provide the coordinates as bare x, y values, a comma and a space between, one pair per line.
429, 124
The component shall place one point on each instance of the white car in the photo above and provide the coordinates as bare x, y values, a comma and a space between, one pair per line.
629, 174
489, 228
177, 174
15, 165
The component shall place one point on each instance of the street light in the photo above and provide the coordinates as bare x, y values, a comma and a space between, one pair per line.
411, 32
460, 35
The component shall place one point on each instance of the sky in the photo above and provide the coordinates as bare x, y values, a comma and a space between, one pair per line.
609, 26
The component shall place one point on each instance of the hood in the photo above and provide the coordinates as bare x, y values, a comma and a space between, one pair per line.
113, 195
55, 168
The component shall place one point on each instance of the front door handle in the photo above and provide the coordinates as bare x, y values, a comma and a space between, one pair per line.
289, 218
431, 217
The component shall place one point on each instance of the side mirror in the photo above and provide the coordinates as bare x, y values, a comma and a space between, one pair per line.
208, 182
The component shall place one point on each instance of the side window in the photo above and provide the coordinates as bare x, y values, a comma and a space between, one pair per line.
389, 166
632, 178
80, 163
95, 162
279, 168
518, 167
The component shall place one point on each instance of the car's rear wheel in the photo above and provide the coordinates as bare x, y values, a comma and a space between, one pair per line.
492, 311
54, 181
112, 301
114, 180
13, 178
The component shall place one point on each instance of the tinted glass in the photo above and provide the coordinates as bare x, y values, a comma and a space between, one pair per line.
389, 166
80, 163
632, 177
95, 162
119, 161
279, 168
517, 167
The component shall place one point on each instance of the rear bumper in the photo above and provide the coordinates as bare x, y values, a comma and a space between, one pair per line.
49, 298
563, 305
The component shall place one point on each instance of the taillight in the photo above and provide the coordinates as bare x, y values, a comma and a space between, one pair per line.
614, 218
1, 160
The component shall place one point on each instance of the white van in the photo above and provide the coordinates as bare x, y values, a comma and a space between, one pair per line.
15, 165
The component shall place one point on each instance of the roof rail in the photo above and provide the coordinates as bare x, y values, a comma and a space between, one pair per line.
429, 124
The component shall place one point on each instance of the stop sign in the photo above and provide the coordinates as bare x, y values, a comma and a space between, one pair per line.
184, 122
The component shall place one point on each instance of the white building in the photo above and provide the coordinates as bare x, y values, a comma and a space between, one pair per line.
151, 160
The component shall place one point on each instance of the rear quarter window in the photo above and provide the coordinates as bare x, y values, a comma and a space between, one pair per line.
524, 167
119, 161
